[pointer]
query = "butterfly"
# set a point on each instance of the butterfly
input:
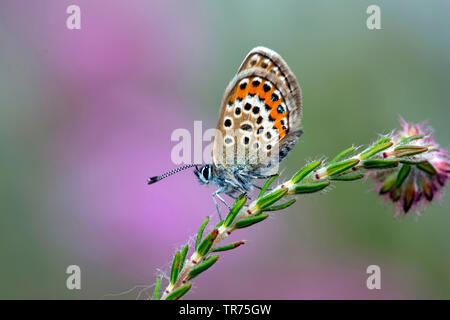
(259, 124)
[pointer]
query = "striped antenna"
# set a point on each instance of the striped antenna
(154, 179)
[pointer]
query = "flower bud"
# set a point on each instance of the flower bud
(424, 172)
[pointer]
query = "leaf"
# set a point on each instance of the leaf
(205, 245)
(339, 167)
(382, 140)
(427, 167)
(402, 174)
(311, 188)
(237, 206)
(156, 292)
(175, 268)
(347, 177)
(271, 198)
(267, 184)
(369, 152)
(281, 206)
(200, 232)
(179, 292)
(228, 246)
(300, 175)
(184, 252)
(202, 267)
(343, 154)
(250, 221)
(409, 150)
(380, 164)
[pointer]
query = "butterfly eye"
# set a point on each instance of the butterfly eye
(206, 172)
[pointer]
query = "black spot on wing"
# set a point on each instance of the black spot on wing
(246, 127)
(259, 120)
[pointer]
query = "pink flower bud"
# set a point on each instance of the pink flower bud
(429, 172)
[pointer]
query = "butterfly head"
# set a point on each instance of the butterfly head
(204, 174)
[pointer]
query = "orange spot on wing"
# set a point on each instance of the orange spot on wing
(277, 116)
(261, 93)
(242, 93)
(253, 90)
(269, 101)
(280, 129)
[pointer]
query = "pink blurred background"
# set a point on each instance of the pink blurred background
(87, 116)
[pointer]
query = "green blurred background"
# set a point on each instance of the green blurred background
(77, 112)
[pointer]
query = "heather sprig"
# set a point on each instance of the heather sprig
(408, 165)
(422, 172)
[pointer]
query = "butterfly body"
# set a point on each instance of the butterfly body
(229, 180)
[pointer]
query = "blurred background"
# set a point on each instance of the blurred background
(87, 115)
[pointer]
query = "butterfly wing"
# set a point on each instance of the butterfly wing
(259, 120)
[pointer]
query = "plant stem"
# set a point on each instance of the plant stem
(383, 155)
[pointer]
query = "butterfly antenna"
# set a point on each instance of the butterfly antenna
(154, 179)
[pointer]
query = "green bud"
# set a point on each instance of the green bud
(395, 194)
(271, 198)
(348, 177)
(339, 167)
(299, 176)
(409, 195)
(205, 245)
(250, 221)
(200, 232)
(427, 189)
(311, 188)
(175, 268)
(237, 206)
(179, 292)
(402, 175)
(410, 150)
(389, 184)
(374, 150)
(156, 292)
(205, 265)
(427, 167)
(267, 184)
(280, 206)
(228, 246)
(380, 164)
(343, 154)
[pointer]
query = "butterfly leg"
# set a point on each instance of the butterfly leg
(223, 201)
(265, 177)
(256, 186)
(217, 205)
(216, 194)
